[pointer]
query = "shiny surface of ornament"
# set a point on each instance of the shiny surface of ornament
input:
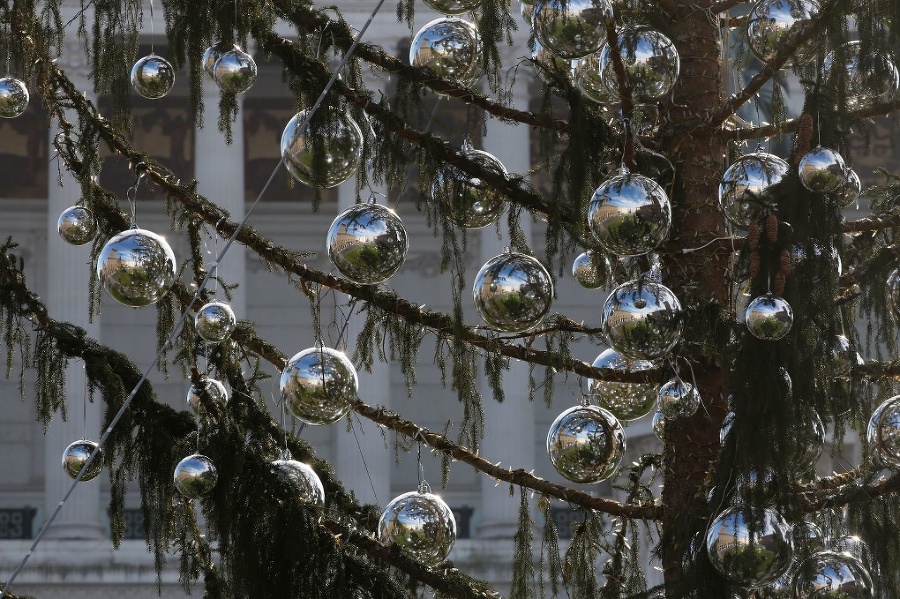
(302, 480)
(749, 548)
(468, 201)
(822, 170)
(586, 444)
(513, 292)
(77, 225)
(651, 64)
(136, 267)
(234, 71)
(727, 423)
(76, 455)
(13, 97)
(152, 77)
(867, 79)
(744, 192)
(659, 426)
(215, 392)
(629, 215)
(571, 28)
(626, 401)
(195, 476)
(211, 55)
(420, 523)
(591, 269)
(589, 79)
(805, 444)
(548, 61)
(451, 48)
(318, 385)
(215, 322)
(832, 575)
(769, 318)
(772, 22)
(678, 399)
(883, 432)
(826, 259)
(452, 7)
(840, 357)
(324, 153)
(642, 320)
(893, 293)
(848, 193)
(367, 243)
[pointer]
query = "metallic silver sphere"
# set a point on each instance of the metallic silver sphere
(772, 22)
(848, 193)
(769, 318)
(451, 48)
(744, 190)
(77, 225)
(324, 153)
(825, 258)
(750, 548)
(727, 423)
(822, 170)
(211, 55)
(302, 480)
(452, 7)
(571, 28)
(589, 79)
(642, 320)
(513, 292)
(215, 391)
(545, 61)
(883, 432)
(592, 270)
(13, 97)
(840, 357)
(421, 524)
(195, 476)
(678, 399)
(868, 78)
(833, 575)
(586, 444)
(626, 401)
(651, 64)
(318, 385)
(76, 455)
(367, 243)
(659, 426)
(136, 267)
(152, 77)
(468, 201)
(893, 293)
(234, 71)
(215, 322)
(804, 446)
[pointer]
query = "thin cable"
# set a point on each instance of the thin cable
(365, 464)
(84, 402)
(409, 169)
(152, 41)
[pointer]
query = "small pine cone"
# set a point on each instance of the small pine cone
(772, 227)
(785, 263)
(754, 265)
(753, 236)
(804, 137)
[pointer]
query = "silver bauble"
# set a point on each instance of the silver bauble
(136, 267)
(642, 320)
(571, 28)
(152, 77)
(804, 446)
(215, 392)
(13, 97)
(832, 575)
(893, 293)
(77, 225)
(586, 444)
(822, 170)
(452, 7)
(76, 455)
(808, 538)
(727, 423)
(678, 399)
(195, 476)
(367, 243)
(744, 191)
(326, 151)
(468, 201)
(592, 270)
(750, 547)
(826, 260)
(769, 318)
(215, 322)
(659, 426)
(319, 385)
(421, 524)
(211, 55)
(513, 292)
(840, 357)
(651, 64)
(772, 22)
(626, 401)
(780, 588)
(234, 71)
(629, 214)
(302, 480)
(867, 79)
(848, 193)
(589, 79)
(451, 48)
(883, 432)
(547, 62)
(855, 546)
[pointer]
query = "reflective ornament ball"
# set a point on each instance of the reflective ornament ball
(324, 153)
(318, 385)
(848, 193)
(629, 215)
(727, 423)
(305, 484)
(866, 78)
(822, 170)
(626, 401)
(234, 71)
(451, 48)
(817, 261)
(893, 293)
(215, 393)
(420, 523)
(547, 64)
(195, 476)
(769, 318)
(833, 575)
(77, 225)
(513, 292)
(651, 64)
(571, 28)
(215, 322)
(804, 446)
(367, 243)
(136, 267)
(659, 426)
(452, 7)
(883, 432)
(840, 357)
(592, 270)
(76, 455)
(152, 77)
(589, 79)
(642, 320)
(678, 399)
(586, 444)
(13, 97)
(749, 548)
(772, 22)
(468, 201)
(211, 55)
(744, 191)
